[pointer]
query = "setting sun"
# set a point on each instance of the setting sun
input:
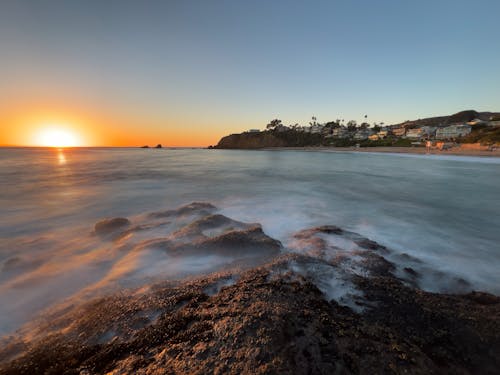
(57, 138)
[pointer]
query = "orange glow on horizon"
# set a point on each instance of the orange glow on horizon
(57, 137)
(83, 127)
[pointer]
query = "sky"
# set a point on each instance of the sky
(185, 73)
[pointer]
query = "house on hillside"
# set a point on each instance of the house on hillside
(383, 134)
(316, 129)
(429, 131)
(399, 132)
(340, 132)
(327, 131)
(422, 132)
(476, 122)
(414, 133)
(453, 131)
(362, 134)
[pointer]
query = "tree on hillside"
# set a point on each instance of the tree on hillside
(364, 125)
(351, 125)
(376, 128)
(273, 124)
(313, 122)
(333, 124)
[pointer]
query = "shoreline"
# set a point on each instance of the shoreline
(391, 150)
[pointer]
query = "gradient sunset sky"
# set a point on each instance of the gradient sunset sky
(185, 73)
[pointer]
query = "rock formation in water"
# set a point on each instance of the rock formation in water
(330, 301)
(108, 226)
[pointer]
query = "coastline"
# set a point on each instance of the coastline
(393, 150)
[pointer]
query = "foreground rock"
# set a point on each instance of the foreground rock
(332, 302)
(108, 226)
(263, 324)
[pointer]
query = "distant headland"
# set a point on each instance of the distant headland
(471, 130)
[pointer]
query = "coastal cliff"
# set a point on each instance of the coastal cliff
(250, 141)
(257, 140)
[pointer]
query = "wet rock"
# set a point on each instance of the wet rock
(483, 298)
(328, 229)
(368, 244)
(108, 226)
(11, 262)
(251, 242)
(252, 238)
(349, 251)
(262, 324)
(207, 234)
(331, 303)
(410, 271)
(209, 226)
(195, 208)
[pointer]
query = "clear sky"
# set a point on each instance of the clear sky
(188, 72)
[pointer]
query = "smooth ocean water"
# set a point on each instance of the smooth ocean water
(442, 210)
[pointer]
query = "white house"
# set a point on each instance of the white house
(399, 132)
(362, 134)
(418, 133)
(453, 131)
(340, 132)
(382, 134)
(415, 133)
(316, 129)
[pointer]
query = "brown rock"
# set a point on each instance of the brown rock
(107, 226)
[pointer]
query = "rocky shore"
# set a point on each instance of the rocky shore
(329, 302)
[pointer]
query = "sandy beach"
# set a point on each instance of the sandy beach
(398, 150)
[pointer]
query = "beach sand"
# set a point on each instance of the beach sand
(398, 150)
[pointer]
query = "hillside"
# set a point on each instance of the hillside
(289, 138)
(439, 121)
(483, 134)
(294, 138)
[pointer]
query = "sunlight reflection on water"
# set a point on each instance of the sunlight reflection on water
(61, 157)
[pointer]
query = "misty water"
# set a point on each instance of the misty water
(442, 210)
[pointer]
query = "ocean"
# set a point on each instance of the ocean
(442, 210)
